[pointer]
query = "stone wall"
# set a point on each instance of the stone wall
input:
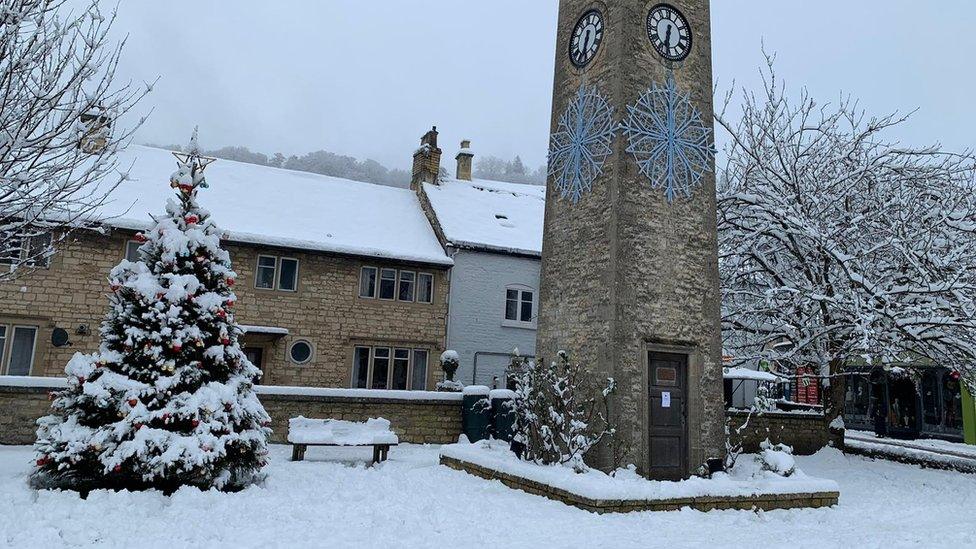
(326, 310)
(20, 407)
(807, 433)
(414, 421)
(433, 420)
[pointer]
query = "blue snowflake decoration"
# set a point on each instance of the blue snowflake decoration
(581, 143)
(667, 137)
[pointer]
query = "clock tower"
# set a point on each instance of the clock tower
(630, 283)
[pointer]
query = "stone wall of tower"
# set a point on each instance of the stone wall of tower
(623, 270)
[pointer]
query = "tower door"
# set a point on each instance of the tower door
(667, 421)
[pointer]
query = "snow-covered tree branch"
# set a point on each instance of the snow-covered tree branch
(59, 124)
(840, 246)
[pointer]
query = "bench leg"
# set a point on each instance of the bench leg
(298, 452)
(377, 455)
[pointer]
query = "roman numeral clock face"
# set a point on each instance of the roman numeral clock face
(586, 38)
(669, 32)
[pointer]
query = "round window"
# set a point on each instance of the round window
(300, 352)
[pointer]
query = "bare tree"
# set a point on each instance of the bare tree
(59, 118)
(839, 246)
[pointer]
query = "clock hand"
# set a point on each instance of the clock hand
(667, 38)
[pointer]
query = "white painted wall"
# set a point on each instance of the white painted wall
(476, 323)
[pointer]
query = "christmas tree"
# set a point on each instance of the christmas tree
(168, 399)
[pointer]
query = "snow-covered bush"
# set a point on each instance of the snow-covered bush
(168, 399)
(561, 412)
(777, 458)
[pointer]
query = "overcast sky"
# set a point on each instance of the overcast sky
(367, 79)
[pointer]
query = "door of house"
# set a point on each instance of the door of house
(256, 356)
(667, 421)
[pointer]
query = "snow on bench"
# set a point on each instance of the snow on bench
(375, 432)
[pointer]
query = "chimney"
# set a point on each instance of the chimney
(426, 161)
(464, 159)
(97, 125)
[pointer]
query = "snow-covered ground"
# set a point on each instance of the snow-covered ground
(410, 501)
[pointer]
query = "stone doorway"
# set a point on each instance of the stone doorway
(667, 422)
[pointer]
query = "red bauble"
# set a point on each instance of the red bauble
(230, 281)
(160, 296)
(133, 402)
(81, 380)
(117, 469)
(191, 219)
(186, 188)
(137, 426)
(140, 237)
(228, 406)
(166, 417)
(43, 461)
(221, 313)
(954, 375)
(230, 303)
(177, 347)
(195, 423)
(225, 341)
(115, 287)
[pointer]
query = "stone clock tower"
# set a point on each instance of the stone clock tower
(630, 282)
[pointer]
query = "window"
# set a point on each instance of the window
(401, 366)
(519, 304)
(265, 276)
(300, 352)
(407, 279)
(393, 284)
(132, 251)
(381, 368)
(288, 275)
(388, 278)
(396, 368)
(419, 379)
(367, 282)
(425, 288)
(20, 359)
(3, 343)
(32, 251)
(360, 368)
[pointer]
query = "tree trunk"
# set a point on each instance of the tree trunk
(834, 403)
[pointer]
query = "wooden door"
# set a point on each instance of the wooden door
(667, 421)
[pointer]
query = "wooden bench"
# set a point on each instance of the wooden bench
(380, 451)
(376, 433)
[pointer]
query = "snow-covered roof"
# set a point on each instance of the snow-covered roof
(490, 215)
(755, 375)
(270, 206)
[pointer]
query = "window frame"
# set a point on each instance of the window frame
(274, 273)
(391, 359)
(125, 250)
(280, 262)
(25, 246)
(311, 353)
(429, 276)
(519, 321)
(8, 349)
(413, 289)
(396, 284)
(376, 281)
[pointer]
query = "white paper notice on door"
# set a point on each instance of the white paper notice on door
(665, 399)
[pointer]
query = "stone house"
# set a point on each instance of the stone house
(340, 283)
(493, 232)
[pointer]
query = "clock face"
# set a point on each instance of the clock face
(669, 32)
(586, 38)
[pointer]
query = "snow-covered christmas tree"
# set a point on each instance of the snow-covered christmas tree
(168, 399)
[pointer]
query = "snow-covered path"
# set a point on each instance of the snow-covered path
(411, 501)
